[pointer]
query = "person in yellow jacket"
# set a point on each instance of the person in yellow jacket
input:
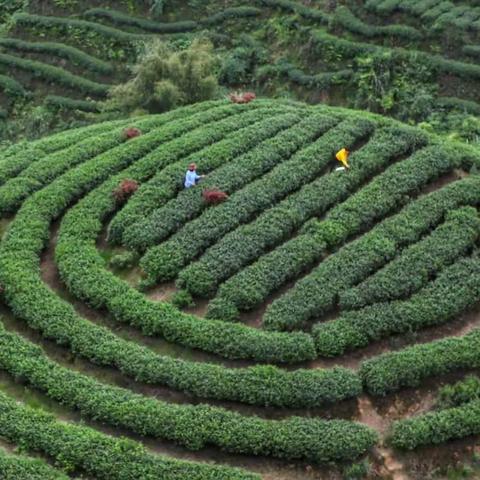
(342, 157)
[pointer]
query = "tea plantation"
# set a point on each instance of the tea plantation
(318, 323)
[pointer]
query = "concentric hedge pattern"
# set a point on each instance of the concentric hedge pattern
(392, 244)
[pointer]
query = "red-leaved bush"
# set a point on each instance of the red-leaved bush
(126, 188)
(131, 132)
(213, 197)
(245, 97)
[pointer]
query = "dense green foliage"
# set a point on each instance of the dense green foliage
(455, 290)
(284, 263)
(464, 391)
(437, 427)
(309, 297)
(409, 367)
(16, 467)
(193, 426)
(417, 264)
(165, 79)
(78, 447)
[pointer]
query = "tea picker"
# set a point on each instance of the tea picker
(342, 157)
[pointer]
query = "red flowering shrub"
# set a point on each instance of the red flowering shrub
(131, 132)
(245, 97)
(126, 188)
(213, 197)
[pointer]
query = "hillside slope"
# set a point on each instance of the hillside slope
(415, 61)
(322, 296)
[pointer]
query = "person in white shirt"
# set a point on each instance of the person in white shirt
(191, 177)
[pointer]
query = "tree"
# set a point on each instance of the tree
(165, 78)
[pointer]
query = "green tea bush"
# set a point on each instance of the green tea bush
(76, 56)
(54, 75)
(192, 426)
(123, 261)
(309, 298)
(272, 270)
(437, 427)
(16, 467)
(409, 367)
(99, 455)
(460, 393)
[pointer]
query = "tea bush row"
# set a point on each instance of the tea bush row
(410, 366)
(82, 448)
(194, 426)
(54, 74)
(242, 207)
(74, 55)
(309, 297)
(286, 262)
(230, 177)
(418, 263)
(14, 467)
(454, 291)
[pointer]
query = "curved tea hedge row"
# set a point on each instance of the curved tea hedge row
(84, 449)
(54, 75)
(13, 467)
(309, 297)
(454, 291)
(409, 367)
(272, 270)
(417, 264)
(193, 426)
(229, 177)
(76, 56)
(343, 17)
(121, 19)
(323, 80)
(437, 427)
(69, 104)
(45, 170)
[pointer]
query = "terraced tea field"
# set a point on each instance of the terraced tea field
(66, 55)
(330, 307)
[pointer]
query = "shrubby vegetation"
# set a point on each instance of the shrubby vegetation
(165, 79)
